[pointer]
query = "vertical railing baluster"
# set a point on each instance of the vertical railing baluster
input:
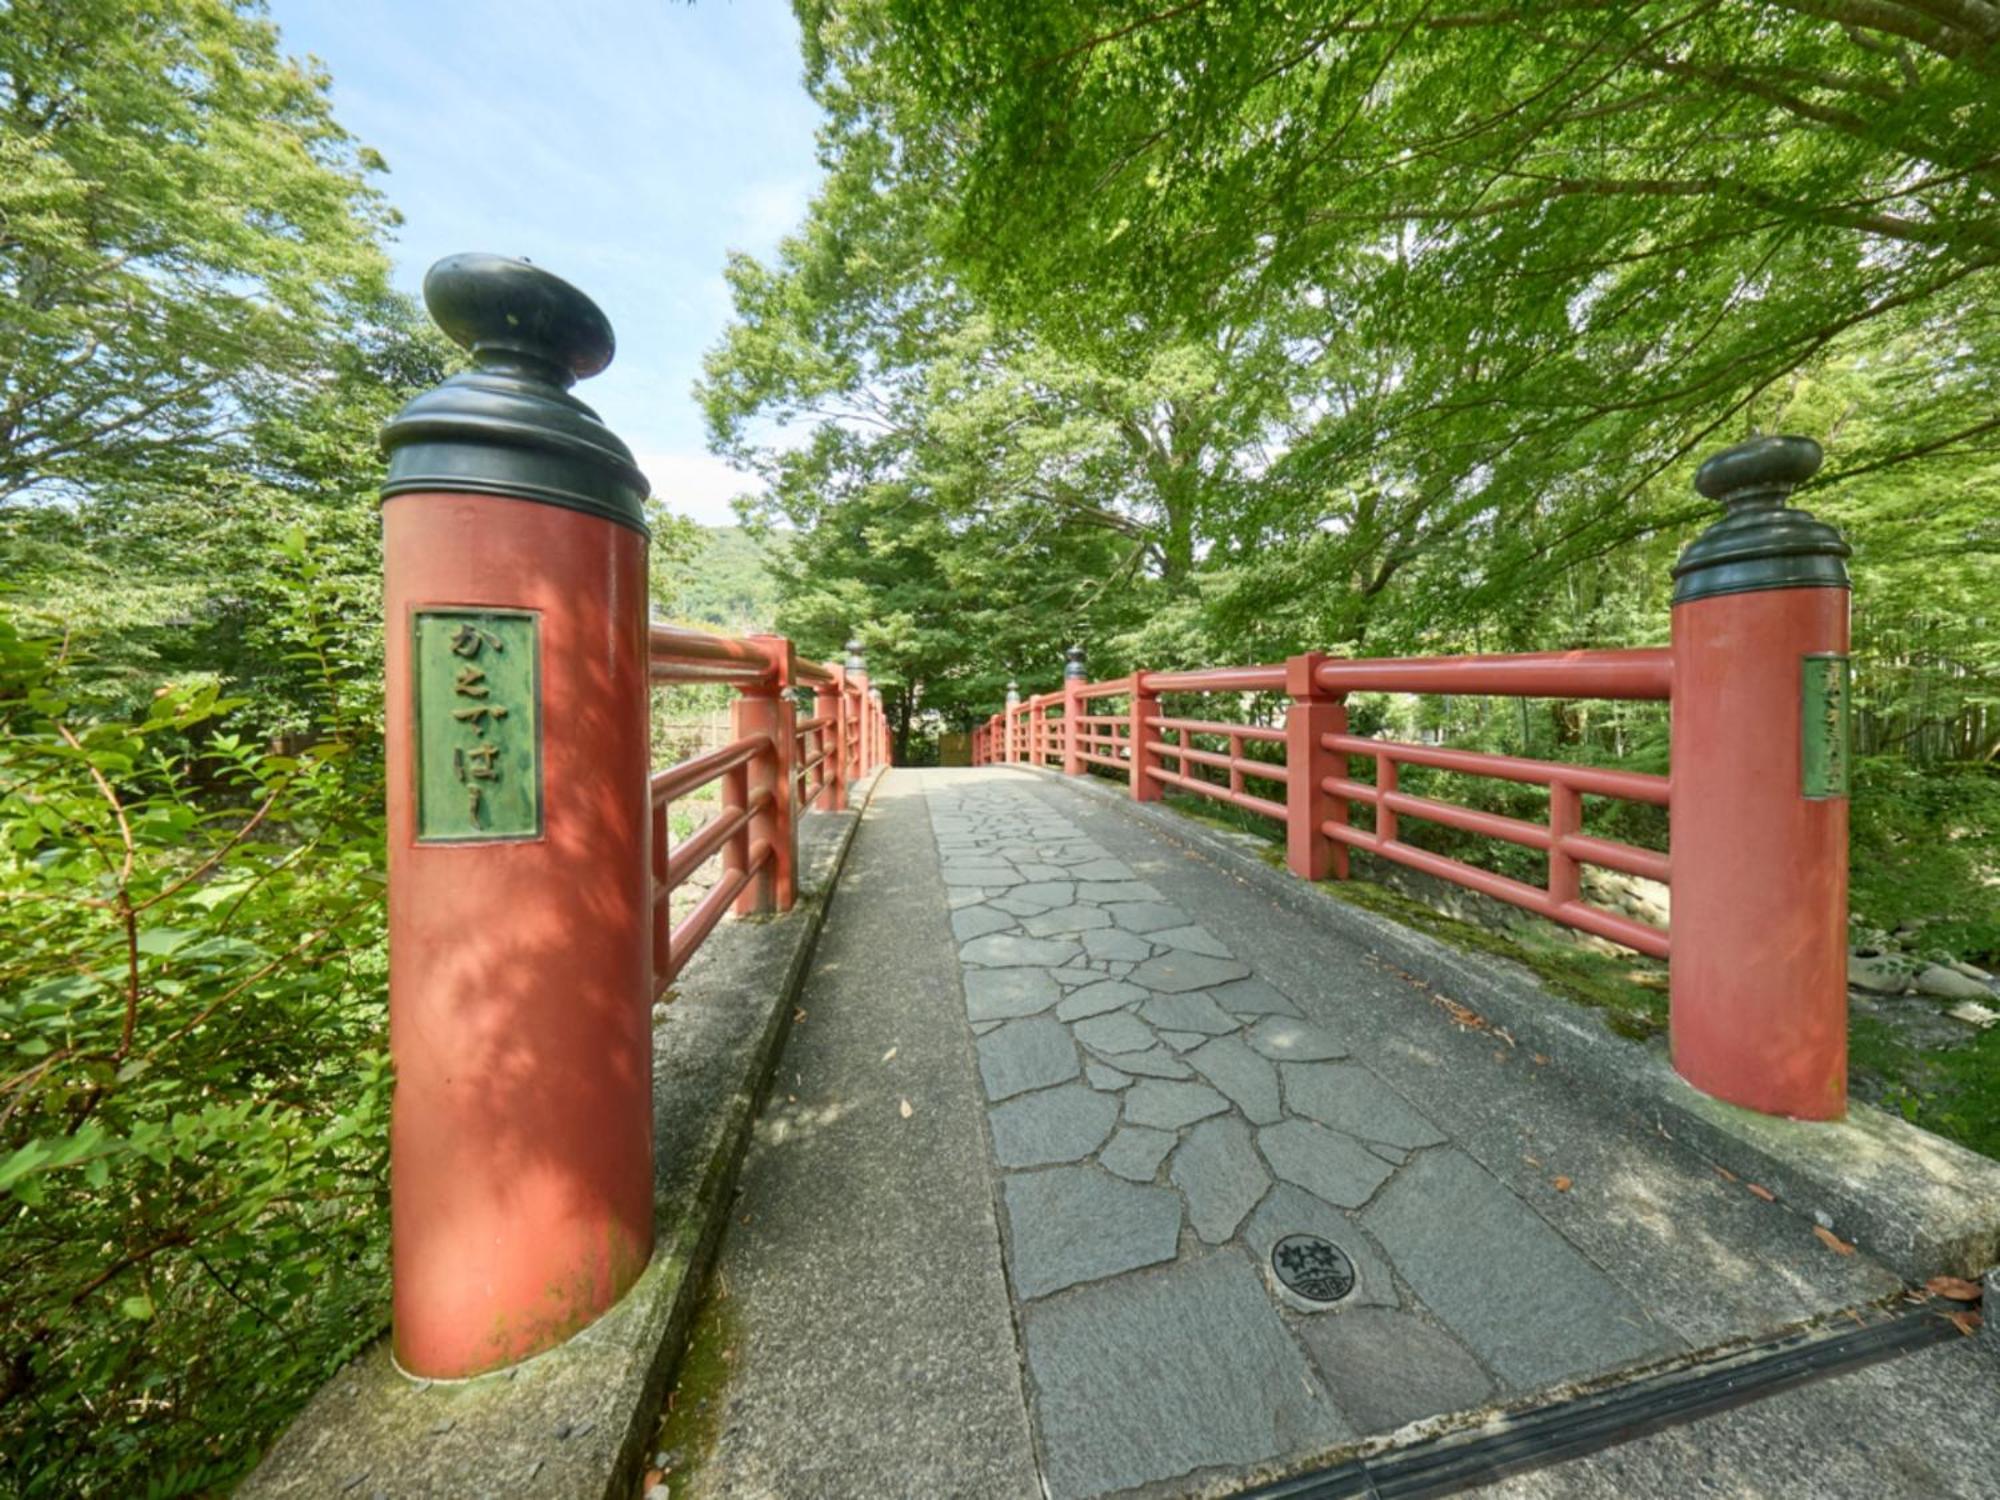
(1385, 787)
(1565, 818)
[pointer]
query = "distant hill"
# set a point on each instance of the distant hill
(727, 584)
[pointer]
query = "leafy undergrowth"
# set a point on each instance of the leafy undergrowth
(193, 1093)
(1951, 1090)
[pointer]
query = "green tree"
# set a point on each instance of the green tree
(1544, 259)
(185, 236)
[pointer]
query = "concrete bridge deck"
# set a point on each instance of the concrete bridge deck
(1056, 1089)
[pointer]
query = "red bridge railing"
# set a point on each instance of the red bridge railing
(777, 765)
(1756, 799)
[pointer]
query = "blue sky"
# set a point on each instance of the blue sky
(627, 145)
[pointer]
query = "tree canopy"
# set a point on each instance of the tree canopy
(1367, 323)
(184, 232)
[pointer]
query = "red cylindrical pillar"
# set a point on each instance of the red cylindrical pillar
(1759, 801)
(521, 1177)
(1144, 708)
(1075, 674)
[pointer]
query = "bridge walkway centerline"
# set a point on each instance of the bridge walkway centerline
(1087, 1170)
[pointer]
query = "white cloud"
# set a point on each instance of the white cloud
(697, 485)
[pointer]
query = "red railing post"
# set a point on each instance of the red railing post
(519, 904)
(1074, 677)
(1145, 707)
(1565, 822)
(1310, 852)
(857, 678)
(829, 698)
(766, 709)
(1758, 985)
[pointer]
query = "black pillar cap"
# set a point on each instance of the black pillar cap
(1073, 662)
(1760, 542)
(854, 661)
(509, 426)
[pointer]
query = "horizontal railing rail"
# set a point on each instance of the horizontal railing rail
(1155, 752)
(782, 760)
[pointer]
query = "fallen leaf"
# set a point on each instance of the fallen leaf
(653, 1477)
(1531, 1161)
(1762, 1192)
(1832, 1241)
(905, 1109)
(1465, 1015)
(1562, 1184)
(889, 1054)
(1541, 1059)
(798, 1016)
(1725, 1174)
(1957, 1288)
(1966, 1323)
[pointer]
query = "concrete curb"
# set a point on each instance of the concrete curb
(1923, 1205)
(576, 1422)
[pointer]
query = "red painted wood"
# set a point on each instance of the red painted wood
(1633, 786)
(766, 713)
(1643, 673)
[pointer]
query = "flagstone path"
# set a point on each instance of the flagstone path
(1068, 1113)
(1160, 1117)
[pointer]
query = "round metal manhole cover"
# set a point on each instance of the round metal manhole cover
(1313, 1268)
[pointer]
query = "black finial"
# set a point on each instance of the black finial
(514, 315)
(1073, 663)
(1760, 542)
(854, 660)
(509, 426)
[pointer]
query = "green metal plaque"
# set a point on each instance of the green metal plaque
(1823, 705)
(479, 724)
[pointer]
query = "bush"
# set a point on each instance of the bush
(1925, 846)
(193, 1086)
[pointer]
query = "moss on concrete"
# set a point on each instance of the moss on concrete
(1951, 1090)
(1629, 989)
(692, 1418)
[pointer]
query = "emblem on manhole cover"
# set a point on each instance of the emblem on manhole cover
(1317, 1269)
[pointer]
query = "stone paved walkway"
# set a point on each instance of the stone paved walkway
(1153, 1103)
(1062, 1089)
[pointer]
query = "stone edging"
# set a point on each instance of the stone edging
(577, 1422)
(1922, 1204)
